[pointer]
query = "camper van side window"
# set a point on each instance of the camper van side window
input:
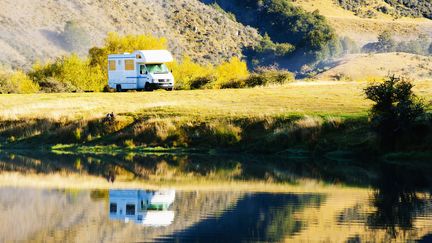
(112, 65)
(129, 65)
(113, 207)
(130, 209)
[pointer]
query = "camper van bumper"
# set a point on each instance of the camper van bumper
(161, 85)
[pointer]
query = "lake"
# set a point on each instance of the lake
(211, 198)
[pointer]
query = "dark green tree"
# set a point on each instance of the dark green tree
(395, 111)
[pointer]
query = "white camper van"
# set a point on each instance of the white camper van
(141, 70)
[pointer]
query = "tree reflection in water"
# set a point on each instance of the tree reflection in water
(397, 199)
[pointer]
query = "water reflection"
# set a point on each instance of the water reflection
(398, 200)
(386, 202)
(145, 207)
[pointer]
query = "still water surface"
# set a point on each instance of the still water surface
(384, 202)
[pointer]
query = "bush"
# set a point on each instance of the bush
(395, 111)
(269, 75)
(386, 43)
(189, 74)
(297, 31)
(51, 85)
(230, 73)
(200, 82)
(73, 72)
(16, 82)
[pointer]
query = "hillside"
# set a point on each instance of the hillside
(35, 30)
(368, 67)
(363, 21)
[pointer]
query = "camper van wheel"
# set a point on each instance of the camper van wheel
(147, 87)
(119, 88)
(169, 89)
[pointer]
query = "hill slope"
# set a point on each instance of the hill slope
(369, 67)
(363, 22)
(32, 30)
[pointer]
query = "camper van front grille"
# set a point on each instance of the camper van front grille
(163, 80)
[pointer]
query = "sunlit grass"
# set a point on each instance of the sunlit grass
(345, 99)
(321, 99)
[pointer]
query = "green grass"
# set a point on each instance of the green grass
(316, 116)
(301, 99)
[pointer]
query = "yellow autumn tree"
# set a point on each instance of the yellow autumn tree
(16, 82)
(79, 73)
(186, 71)
(231, 74)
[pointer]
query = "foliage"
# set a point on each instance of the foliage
(396, 8)
(412, 8)
(222, 11)
(386, 43)
(268, 52)
(188, 72)
(75, 37)
(51, 85)
(269, 75)
(71, 71)
(233, 71)
(16, 82)
(229, 74)
(396, 108)
(291, 26)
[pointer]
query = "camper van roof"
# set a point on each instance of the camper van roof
(154, 56)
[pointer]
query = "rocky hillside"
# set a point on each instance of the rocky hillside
(37, 30)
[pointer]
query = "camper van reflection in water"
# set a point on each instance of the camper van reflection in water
(148, 208)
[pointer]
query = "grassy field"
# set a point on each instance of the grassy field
(322, 98)
(314, 116)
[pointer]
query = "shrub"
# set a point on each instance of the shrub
(52, 85)
(230, 72)
(16, 82)
(73, 72)
(396, 109)
(269, 75)
(188, 73)
(79, 73)
(200, 82)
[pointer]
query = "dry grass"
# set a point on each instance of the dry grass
(329, 98)
(313, 99)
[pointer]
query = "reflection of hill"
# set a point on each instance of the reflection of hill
(54, 216)
(256, 217)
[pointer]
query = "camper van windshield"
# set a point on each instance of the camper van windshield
(157, 68)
